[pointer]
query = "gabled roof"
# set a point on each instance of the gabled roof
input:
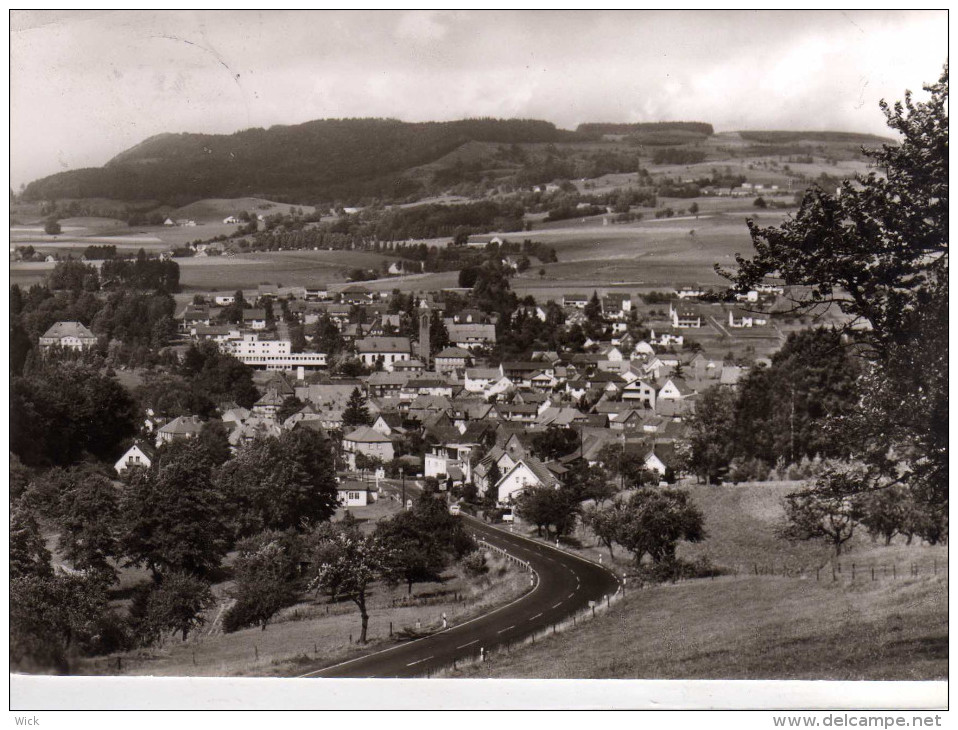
(68, 329)
(665, 451)
(384, 344)
(681, 386)
(476, 431)
(456, 352)
(522, 366)
(254, 314)
(183, 425)
(430, 403)
(440, 427)
(540, 470)
(148, 449)
(459, 332)
(366, 435)
(271, 398)
(560, 416)
(412, 364)
(384, 377)
(483, 373)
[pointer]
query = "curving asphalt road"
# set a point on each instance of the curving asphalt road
(565, 584)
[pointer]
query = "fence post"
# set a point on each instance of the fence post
(817, 571)
(873, 572)
(119, 662)
(853, 571)
(390, 628)
(894, 572)
(256, 649)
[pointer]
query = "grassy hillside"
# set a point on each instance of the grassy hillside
(751, 628)
(216, 209)
(768, 626)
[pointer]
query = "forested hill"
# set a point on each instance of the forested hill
(315, 161)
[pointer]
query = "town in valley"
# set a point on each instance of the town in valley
(361, 397)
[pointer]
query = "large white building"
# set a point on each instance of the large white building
(71, 335)
(271, 354)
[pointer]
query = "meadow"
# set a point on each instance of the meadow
(777, 612)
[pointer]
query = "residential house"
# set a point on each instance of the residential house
(268, 406)
(575, 300)
(354, 493)
(140, 454)
(640, 392)
(616, 305)
(528, 472)
(685, 317)
(357, 294)
(179, 429)
(389, 423)
(471, 336)
(268, 291)
(409, 367)
(674, 389)
(738, 318)
(452, 360)
(383, 384)
(478, 380)
(316, 292)
(517, 412)
(253, 428)
(661, 459)
(366, 440)
(254, 319)
(503, 460)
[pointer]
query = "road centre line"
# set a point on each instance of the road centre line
(535, 617)
(506, 629)
(419, 661)
(469, 644)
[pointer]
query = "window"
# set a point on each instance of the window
(352, 496)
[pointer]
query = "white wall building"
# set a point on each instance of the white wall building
(271, 354)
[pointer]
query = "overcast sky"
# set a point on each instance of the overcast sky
(86, 85)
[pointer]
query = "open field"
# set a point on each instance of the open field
(799, 624)
(214, 210)
(243, 271)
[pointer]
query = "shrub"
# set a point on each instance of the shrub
(676, 569)
(475, 564)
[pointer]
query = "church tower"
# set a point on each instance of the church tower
(425, 320)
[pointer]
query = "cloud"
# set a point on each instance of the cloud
(420, 26)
